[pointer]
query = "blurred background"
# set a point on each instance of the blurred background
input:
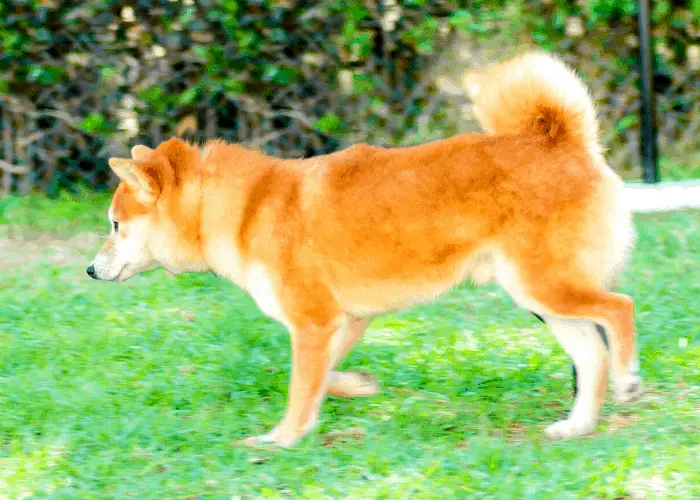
(82, 81)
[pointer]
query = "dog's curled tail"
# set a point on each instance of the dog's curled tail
(534, 94)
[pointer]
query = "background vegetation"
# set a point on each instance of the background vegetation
(84, 80)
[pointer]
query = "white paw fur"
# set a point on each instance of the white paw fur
(570, 428)
(627, 388)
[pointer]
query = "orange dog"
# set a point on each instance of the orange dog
(325, 244)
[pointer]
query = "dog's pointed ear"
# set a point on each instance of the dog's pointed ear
(129, 171)
(139, 152)
(123, 168)
(181, 155)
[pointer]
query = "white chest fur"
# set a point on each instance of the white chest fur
(223, 259)
(262, 289)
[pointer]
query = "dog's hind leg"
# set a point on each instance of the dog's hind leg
(556, 293)
(574, 375)
(352, 384)
(581, 341)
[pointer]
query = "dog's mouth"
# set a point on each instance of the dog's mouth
(126, 272)
(129, 271)
(120, 275)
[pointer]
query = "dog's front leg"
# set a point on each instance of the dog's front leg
(314, 351)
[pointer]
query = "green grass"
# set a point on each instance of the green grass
(66, 215)
(142, 389)
(670, 170)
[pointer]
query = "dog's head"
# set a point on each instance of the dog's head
(149, 219)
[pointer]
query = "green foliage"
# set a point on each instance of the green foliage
(253, 58)
(281, 75)
(189, 95)
(93, 123)
(600, 12)
(328, 123)
(362, 83)
(248, 40)
(626, 122)
(423, 34)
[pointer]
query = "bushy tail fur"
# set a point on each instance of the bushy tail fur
(535, 94)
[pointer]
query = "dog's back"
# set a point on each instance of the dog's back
(427, 217)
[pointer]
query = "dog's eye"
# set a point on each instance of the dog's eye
(116, 226)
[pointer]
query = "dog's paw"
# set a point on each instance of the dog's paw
(627, 388)
(570, 428)
(282, 436)
(267, 441)
(262, 441)
(352, 385)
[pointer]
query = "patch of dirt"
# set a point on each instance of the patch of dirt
(338, 437)
(48, 249)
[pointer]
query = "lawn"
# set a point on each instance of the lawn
(143, 389)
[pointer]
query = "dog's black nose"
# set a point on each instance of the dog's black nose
(91, 271)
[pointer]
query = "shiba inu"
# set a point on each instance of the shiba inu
(327, 243)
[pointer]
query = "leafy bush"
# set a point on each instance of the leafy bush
(84, 80)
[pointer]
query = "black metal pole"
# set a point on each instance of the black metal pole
(649, 148)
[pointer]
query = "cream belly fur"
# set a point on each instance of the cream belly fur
(379, 297)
